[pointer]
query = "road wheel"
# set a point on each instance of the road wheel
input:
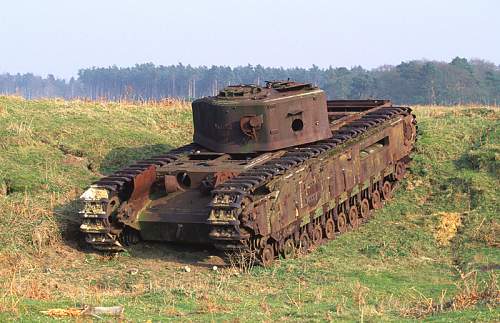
(353, 217)
(289, 249)
(376, 201)
(267, 255)
(330, 229)
(342, 222)
(317, 235)
(130, 236)
(400, 171)
(304, 242)
(387, 191)
(364, 208)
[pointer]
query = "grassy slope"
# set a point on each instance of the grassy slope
(387, 270)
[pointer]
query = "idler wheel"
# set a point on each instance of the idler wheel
(113, 205)
(113, 212)
(304, 242)
(364, 208)
(267, 255)
(387, 191)
(342, 222)
(330, 229)
(317, 235)
(376, 201)
(289, 249)
(353, 216)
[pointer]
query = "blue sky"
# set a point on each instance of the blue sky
(61, 36)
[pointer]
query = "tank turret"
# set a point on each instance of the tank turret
(250, 118)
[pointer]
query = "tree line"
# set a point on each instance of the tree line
(416, 82)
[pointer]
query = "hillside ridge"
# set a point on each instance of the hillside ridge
(431, 253)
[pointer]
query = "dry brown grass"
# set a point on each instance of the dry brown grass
(209, 304)
(359, 294)
(242, 261)
(470, 293)
(164, 102)
(431, 111)
(169, 103)
(19, 280)
(488, 232)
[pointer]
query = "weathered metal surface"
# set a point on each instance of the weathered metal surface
(232, 195)
(249, 118)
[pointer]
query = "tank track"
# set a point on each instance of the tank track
(234, 197)
(98, 227)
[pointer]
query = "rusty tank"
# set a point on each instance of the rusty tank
(276, 169)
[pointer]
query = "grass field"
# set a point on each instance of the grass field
(431, 254)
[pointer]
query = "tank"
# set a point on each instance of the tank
(274, 169)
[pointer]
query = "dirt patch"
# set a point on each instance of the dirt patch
(74, 160)
(411, 185)
(447, 227)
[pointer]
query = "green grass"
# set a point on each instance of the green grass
(50, 150)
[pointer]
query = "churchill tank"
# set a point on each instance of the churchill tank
(276, 169)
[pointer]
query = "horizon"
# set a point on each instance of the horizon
(59, 38)
(253, 65)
